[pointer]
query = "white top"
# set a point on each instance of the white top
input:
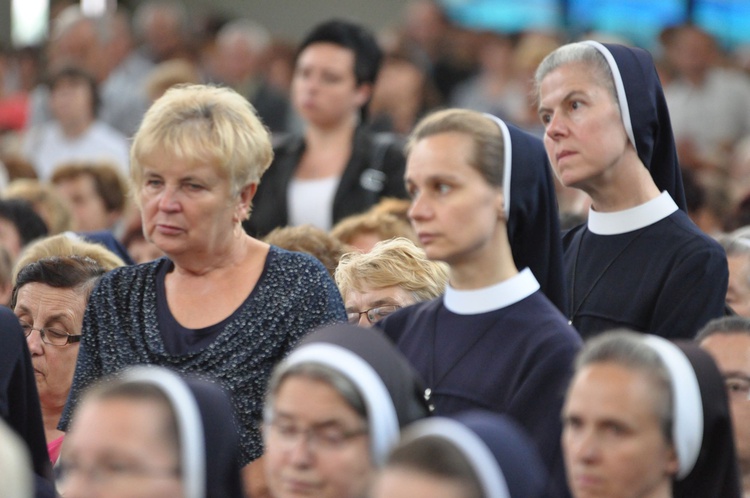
(629, 220)
(47, 147)
(494, 297)
(310, 202)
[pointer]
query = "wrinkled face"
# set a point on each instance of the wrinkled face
(732, 355)
(117, 448)
(382, 301)
(307, 465)
(188, 208)
(43, 306)
(456, 214)
(584, 135)
(324, 87)
(612, 438)
(87, 207)
(395, 482)
(738, 290)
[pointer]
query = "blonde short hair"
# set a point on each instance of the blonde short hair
(393, 262)
(64, 245)
(203, 123)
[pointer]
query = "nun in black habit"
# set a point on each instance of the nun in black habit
(480, 453)
(207, 438)
(340, 384)
(639, 262)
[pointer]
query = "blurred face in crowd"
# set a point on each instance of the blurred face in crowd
(613, 441)
(368, 305)
(402, 482)
(317, 445)
(732, 355)
(324, 87)
(89, 211)
(738, 290)
(120, 448)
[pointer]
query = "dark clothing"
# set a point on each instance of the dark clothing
(294, 295)
(667, 279)
(19, 400)
(515, 360)
(373, 172)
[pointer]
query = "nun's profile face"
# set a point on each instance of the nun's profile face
(119, 448)
(317, 445)
(612, 438)
(457, 215)
(397, 482)
(584, 135)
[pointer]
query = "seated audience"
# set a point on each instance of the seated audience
(728, 341)
(395, 274)
(477, 454)
(52, 282)
(47, 203)
(75, 133)
(333, 411)
(311, 240)
(95, 192)
(152, 434)
(647, 418)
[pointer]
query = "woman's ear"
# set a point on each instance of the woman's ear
(244, 201)
(364, 93)
(500, 205)
(673, 462)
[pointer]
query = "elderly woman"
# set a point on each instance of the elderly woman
(474, 455)
(608, 133)
(393, 275)
(151, 433)
(647, 418)
(221, 303)
(333, 412)
(52, 283)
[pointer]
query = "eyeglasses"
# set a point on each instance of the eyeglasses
(373, 314)
(738, 386)
(109, 473)
(318, 438)
(51, 336)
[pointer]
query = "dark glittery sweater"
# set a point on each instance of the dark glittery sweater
(294, 295)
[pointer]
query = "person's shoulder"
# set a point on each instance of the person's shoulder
(293, 263)
(132, 273)
(693, 236)
(410, 317)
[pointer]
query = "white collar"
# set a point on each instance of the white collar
(632, 219)
(494, 297)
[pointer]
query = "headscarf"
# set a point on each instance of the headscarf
(645, 115)
(531, 207)
(503, 457)
(392, 391)
(209, 441)
(701, 424)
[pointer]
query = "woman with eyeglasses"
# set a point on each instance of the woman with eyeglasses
(334, 409)
(394, 274)
(53, 280)
(150, 433)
